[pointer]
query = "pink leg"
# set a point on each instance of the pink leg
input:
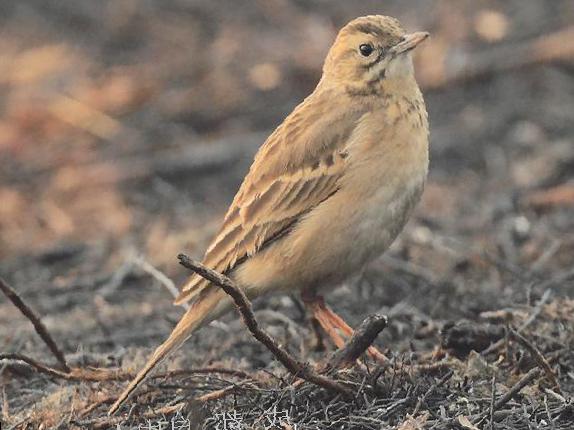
(331, 323)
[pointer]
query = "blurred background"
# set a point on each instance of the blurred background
(126, 127)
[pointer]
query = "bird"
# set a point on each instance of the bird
(328, 191)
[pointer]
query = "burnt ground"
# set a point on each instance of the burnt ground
(125, 129)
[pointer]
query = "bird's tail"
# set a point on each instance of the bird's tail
(199, 313)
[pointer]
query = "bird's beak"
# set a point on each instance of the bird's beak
(410, 41)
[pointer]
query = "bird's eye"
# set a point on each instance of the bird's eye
(366, 49)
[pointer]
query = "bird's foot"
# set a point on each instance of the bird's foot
(335, 327)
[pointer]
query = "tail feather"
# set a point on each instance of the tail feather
(194, 285)
(200, 312)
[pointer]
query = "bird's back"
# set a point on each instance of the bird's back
(297, 168)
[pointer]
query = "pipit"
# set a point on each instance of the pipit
(328, 191)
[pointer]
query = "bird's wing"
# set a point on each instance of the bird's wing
(297, 168)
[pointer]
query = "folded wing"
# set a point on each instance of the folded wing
(297, 168)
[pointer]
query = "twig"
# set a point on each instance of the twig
(492, 399)
(73, 374)
(217, 394)
(426, 368)
(5, 405)
(203, 371)
(85, 117)
(40, 367)
(161, 277)
(39, 326)
(431, 389)
(531, 318)
(537, 309)
(515, 389)
(537, 355)
(361, 339)
(550, 419)
(545, 256)
(243, 305)
(117, 279)
(110, 399)
(97, 374)
(95, 405)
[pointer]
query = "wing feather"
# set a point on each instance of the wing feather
(297, 168)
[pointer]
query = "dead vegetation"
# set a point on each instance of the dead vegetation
(124, 131)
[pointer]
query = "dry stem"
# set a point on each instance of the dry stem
(243, 305)
(36, 322)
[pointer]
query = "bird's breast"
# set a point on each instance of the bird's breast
(353, 227)
(381, 185)
(383, 214)
(378, 192)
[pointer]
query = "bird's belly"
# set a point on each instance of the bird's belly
(378, 221)
(336, 242)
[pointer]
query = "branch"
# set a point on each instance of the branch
(361, 339)
(516, 388)
(72, 374)
(35, 320)
(537, 355)
(40, 367)
(100, 374)
(243, 305)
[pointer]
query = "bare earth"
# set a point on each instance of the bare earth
(125, 129)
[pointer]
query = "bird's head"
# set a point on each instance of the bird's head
(370, 50)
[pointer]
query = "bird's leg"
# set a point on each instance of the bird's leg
(316, 306)
(348, 331)
(319, 342)
(331, 323)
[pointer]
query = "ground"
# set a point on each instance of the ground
(125, 129)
